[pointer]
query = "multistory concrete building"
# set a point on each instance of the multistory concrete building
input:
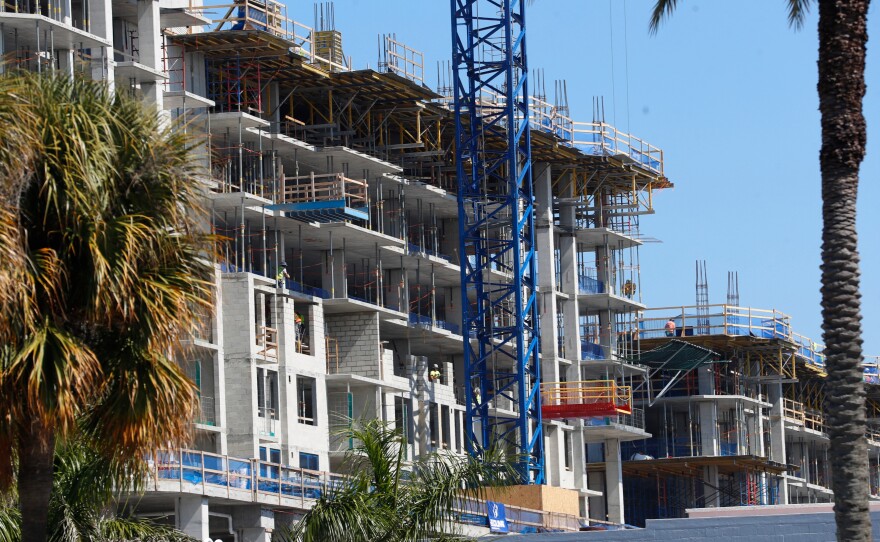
(332, 191)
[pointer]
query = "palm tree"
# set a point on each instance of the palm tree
(386, 498)
(83, 503)
(102, 263)
(843, 41)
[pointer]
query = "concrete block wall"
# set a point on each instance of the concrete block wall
(358, 338)
(241, 406)
(239, 331)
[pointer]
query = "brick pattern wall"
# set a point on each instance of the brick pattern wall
(358, 339)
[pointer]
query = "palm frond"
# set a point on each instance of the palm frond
(54, 371)
(386, 498)
(122, 529)
(663, 9)
(10, 523)
(349, 515)
(797, 12)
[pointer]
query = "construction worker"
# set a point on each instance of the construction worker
(434, 375)
(300, 330)
(282, 274)
(670, 328)
(629, 288)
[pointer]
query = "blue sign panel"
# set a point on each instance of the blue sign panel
(497, 517)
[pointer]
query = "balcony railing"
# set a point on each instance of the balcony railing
(260, 481)
(326, 187)
(585, 399)
(727, 320)
(793, 411)
(635, 419)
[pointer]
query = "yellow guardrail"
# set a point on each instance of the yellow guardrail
(585, 392)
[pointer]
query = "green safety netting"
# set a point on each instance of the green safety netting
(677, 355)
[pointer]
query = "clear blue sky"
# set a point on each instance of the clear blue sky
(728, 91)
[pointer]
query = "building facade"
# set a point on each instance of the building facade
(332, 191)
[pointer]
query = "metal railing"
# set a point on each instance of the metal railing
(587, 392)
(326, 187)
(635, 419)
(600, 138)
(261, 481)
(815, 420)
(717, 320)
(271, 16)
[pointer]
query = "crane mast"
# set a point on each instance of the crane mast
(497, 232)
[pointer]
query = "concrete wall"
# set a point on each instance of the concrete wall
(358, 339)
(808, 524)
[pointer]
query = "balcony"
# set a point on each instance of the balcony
(585, 399)
(331, 197)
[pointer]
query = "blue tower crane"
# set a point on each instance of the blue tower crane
(497, 232)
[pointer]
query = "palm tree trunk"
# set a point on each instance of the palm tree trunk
(36, 457)
(842, 43)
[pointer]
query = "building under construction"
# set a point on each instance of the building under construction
(350, 180)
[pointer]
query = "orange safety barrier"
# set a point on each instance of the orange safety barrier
(584, 399)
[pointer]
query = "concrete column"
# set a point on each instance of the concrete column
(706, 380)
(544, 234)
(219, 362)
(150, 45)
(568, 268)
(777, 434)
(65, 60)
(613, 481)
(553, 453)
(579, 458)
(101, 25)
(395, 291)
(253, 523)
(710, 476)
(709, 428)
(333, 276)
(192, 516)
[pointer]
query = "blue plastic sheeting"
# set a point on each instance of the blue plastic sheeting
(254, 15)
(273, 478)
(656, 448)
(419, 320)
(422, 320)
(413, 248)
(591, 351)
(306, 289)
(321, 211)
(227, 267)
(589, 285)
(448, 326)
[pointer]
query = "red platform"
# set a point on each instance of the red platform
(583, 410)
